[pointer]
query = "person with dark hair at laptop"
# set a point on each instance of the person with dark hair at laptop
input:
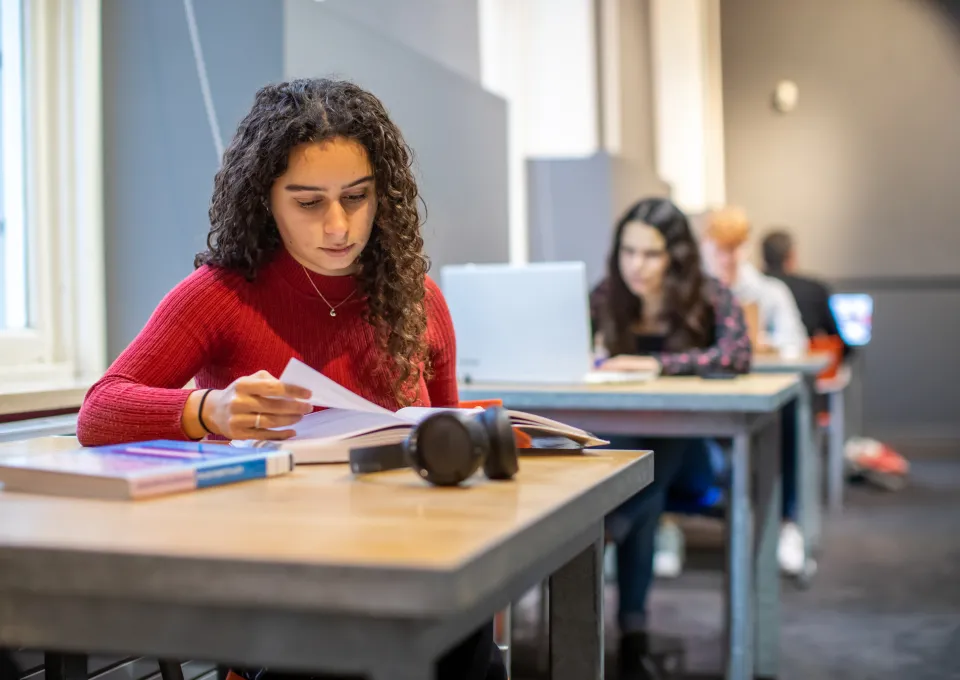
(657, 309)
(812, 295)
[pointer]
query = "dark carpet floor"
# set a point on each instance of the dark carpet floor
(884, 605)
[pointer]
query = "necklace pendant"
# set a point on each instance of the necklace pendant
(333, 312)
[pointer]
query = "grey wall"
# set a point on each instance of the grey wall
(457, 129)
(445, 31)
(864, 172)
(867, 164)
(159, 156)
(910, 371)
(570, 205)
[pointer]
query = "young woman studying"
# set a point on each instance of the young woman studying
(314, 252)
(656, 309)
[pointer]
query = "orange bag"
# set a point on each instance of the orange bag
(522, 439)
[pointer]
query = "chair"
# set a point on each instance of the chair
(831, 383)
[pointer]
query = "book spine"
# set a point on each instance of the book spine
(158, 484)
(253, 467)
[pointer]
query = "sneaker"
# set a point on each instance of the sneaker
(668, 550)
(790, 552)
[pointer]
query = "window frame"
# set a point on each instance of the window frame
(64, 339)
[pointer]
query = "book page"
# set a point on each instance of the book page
(528, 422)
(335, 423)
(326, 392)
(414, 414)
(532, 423)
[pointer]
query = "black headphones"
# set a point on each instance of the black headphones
(447, 448)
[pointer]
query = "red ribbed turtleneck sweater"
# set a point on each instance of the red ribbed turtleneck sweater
(217, 327)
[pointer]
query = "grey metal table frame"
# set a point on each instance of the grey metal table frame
(753, 518)
(809, 465)
(835, 389)
(385, 623)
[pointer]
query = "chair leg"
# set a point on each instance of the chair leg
(57, 666)
(543, 629)
(170, 670)
(8, 666)
(504, 635)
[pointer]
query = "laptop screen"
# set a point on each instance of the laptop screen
(854, 315)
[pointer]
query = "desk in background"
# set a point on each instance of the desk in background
(314, 570)
(809, 470)
(835, 389)
(745, 409)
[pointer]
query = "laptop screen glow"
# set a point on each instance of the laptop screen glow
(854, 315)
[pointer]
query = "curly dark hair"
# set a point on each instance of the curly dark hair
(392, 267)
(686, 311)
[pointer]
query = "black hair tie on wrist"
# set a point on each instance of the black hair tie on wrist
(200, 412)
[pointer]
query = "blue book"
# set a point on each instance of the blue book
(139, 469)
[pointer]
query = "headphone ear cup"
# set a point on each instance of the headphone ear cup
(443, 450)
(501, 460)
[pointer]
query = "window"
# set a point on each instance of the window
(51, 251)
(13, 293)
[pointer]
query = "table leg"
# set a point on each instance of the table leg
(576, 616)
(807, 470)
(57, 666)
(8, 667)
(767, 508)
(170, 669)
(835, 457)
(739, 664)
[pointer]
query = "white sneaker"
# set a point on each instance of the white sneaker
(791, 551)
(668, 550)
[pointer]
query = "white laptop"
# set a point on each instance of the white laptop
(524, 324)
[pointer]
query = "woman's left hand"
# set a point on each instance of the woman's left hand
(625, 363)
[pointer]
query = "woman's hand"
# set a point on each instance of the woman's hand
(250, 405)
(625, 363)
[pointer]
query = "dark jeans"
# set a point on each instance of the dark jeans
(682, 469)
(788, 461)
(476, 658)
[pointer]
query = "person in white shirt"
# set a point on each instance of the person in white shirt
(779, 329)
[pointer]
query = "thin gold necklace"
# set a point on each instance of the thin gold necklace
(333, 308)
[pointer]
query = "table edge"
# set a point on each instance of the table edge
(366, 590)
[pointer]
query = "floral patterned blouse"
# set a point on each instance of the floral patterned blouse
(729, 347)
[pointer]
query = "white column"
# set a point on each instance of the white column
(540, 55)
(687, 76)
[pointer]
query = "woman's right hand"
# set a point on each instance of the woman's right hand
(253, 404)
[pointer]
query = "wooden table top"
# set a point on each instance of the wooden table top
(312, 535)
(751, 393)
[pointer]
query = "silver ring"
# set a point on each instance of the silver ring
(256, 425)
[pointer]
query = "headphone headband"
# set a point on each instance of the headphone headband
(381, 458)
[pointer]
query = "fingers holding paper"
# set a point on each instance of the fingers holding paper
(252, 407)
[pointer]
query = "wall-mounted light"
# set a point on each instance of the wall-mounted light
(785, 96)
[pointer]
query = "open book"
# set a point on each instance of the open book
(350, 421)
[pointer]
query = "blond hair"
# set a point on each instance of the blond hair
(727, 226)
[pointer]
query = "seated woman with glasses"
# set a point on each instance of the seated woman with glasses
(657, 310)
